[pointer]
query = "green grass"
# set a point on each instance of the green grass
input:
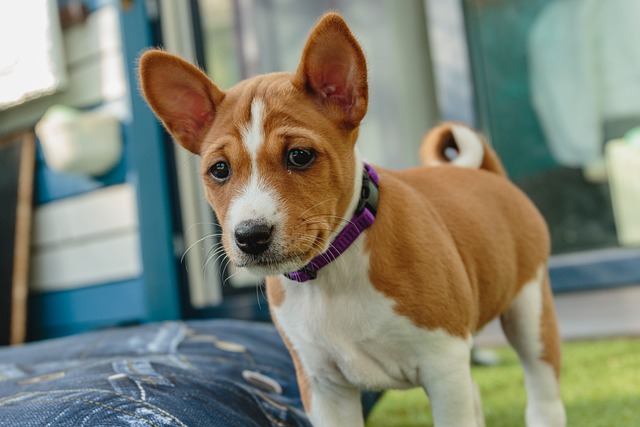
(600, 388)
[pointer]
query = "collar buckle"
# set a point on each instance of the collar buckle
(369, 193)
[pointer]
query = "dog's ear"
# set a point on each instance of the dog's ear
(333, 70)
(181, 95)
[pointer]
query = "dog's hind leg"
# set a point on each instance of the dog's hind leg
(531, 328)
(477, 404)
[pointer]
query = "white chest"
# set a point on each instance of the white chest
(345, 330)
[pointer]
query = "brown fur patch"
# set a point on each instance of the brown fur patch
(453, 246)
(275, 292)
(549, 333)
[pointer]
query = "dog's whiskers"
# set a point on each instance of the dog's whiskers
(202, 239)
(314, 206)
(213, 256)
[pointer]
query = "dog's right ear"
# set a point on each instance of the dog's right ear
(181, 95)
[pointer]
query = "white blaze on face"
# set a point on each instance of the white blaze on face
(256, 201)
(253, 132)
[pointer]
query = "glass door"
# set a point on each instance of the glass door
(558, 93)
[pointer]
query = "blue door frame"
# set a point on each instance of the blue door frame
(155, 294)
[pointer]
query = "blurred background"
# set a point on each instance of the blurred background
(103, 220)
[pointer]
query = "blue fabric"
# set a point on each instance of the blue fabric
(197, 373)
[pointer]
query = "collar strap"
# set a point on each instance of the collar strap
(363, 217)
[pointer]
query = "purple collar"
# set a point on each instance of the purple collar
(363, 217)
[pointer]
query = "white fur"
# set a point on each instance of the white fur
(471, 151)
(256, 201)
(253, 132)
(343, 347)
(521, 323)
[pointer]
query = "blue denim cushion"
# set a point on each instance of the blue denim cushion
(196, 373)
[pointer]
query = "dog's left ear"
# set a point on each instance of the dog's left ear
(333, 70)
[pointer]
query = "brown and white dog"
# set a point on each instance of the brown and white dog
(450, 248)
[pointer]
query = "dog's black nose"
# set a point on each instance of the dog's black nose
(253, 237)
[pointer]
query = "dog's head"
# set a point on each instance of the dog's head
(277, 151)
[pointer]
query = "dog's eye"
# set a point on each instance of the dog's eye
(300, 158)
(220, 171)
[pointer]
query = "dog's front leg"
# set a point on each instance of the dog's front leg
(445, 374)
(332, 405)
(452, 399)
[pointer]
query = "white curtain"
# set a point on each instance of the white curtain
(584, 58)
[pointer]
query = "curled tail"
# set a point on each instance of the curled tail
(459, 145)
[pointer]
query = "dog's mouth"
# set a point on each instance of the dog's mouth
(276, 261)
(267, 266)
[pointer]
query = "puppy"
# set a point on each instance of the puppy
(376, 278)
